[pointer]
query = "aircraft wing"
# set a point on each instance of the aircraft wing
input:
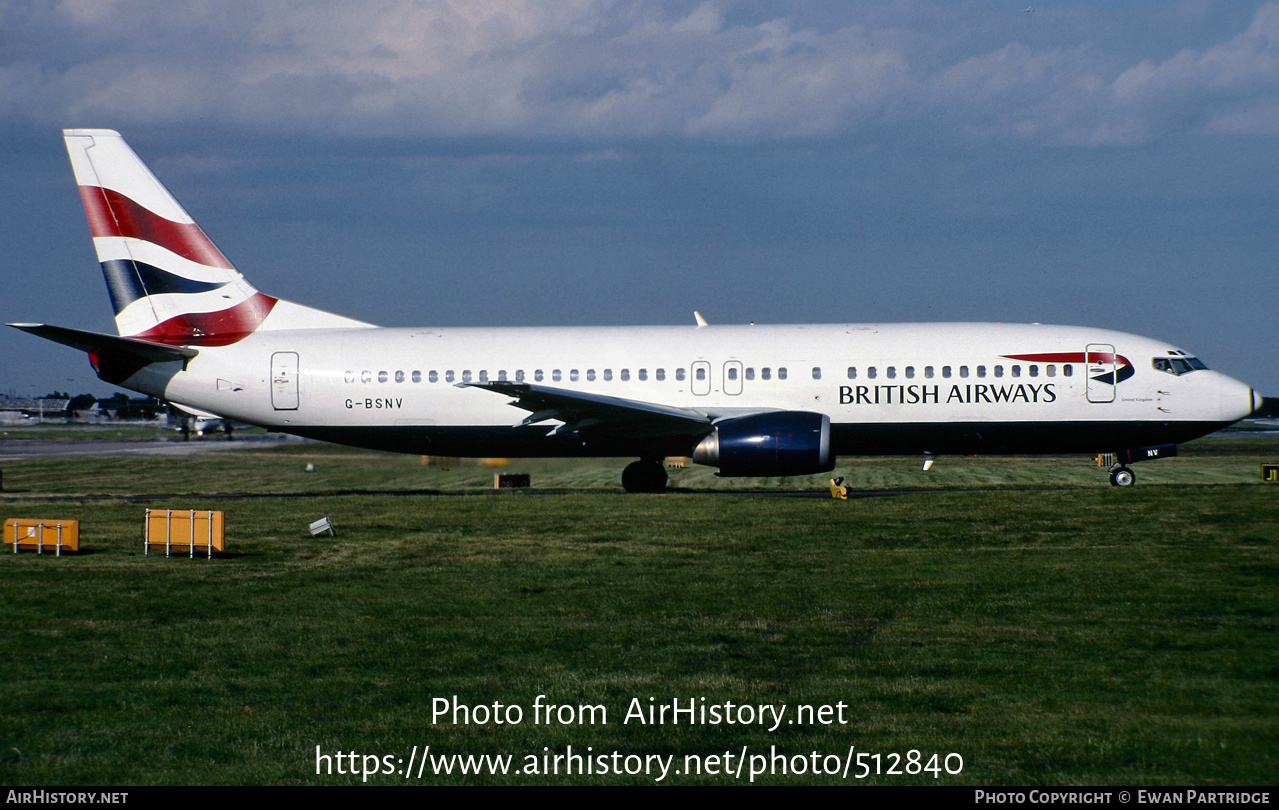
(599, 415)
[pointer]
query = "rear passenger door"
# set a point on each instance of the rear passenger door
(284, 381)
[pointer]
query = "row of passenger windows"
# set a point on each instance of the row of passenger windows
(749, 373)
(699, 373)
(555, 375)
(948, 372)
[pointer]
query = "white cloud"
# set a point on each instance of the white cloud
(603, 69)
(1233, 86)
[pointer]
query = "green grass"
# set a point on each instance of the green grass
(280, 468)
(1047, 630)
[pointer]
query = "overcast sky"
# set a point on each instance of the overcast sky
(1113, 164)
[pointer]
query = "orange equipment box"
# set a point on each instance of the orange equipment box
(41, 534)
(185, 529)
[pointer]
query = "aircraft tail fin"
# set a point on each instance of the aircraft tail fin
(168, 282)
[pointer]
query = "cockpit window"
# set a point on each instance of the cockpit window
(1178, 365)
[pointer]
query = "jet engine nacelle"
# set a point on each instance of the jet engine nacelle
(781, 443)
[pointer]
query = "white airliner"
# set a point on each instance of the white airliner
(750, 400)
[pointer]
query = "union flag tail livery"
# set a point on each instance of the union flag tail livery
(168, 282)
(749, 400)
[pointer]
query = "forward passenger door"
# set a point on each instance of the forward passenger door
(1099, 365)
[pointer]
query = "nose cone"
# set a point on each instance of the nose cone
(1238, 400)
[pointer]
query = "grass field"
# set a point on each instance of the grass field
(1023, 614)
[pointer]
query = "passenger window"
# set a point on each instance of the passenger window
(1067, 370)
(679, 374)
(1051, 370)
(349, 376)
(963, 372)
(381, 376)
(484, 376)
(732, 372)
(434, 376)
(910, 372)
(466, 376)
(872, 373)
(608, 375)
(1016, 371)
(399, 376)
(519, 375)
(981, 371)
(852, 373)
(573, 375)
(817, 373)
(448, 376)
(945, 372)
(892, 372)
(766, 373)
(701, 374)
(643, 374)
(557, 375)
(661, 375)
(626, 375)
(928, 372)
(590, 375)
(999, 371)
(1034, 371)
(750, 373)
(417, 376)
(781, 373)
(537, 375)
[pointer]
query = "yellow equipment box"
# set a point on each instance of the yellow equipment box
(185, 529)
(42, 534)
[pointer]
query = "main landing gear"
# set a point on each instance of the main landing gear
(1121, 476)
(645, 475)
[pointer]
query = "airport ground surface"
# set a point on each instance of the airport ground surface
(1020, 613)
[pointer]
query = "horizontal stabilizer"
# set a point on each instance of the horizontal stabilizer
(96, 343)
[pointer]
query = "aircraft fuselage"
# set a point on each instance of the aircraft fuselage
(887, 388)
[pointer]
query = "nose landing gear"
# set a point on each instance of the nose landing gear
(1121, 476)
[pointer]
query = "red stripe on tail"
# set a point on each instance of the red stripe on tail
(220, 328)
(111, 213)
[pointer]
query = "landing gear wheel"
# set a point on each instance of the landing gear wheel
(1122, 477)
(644, 476)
